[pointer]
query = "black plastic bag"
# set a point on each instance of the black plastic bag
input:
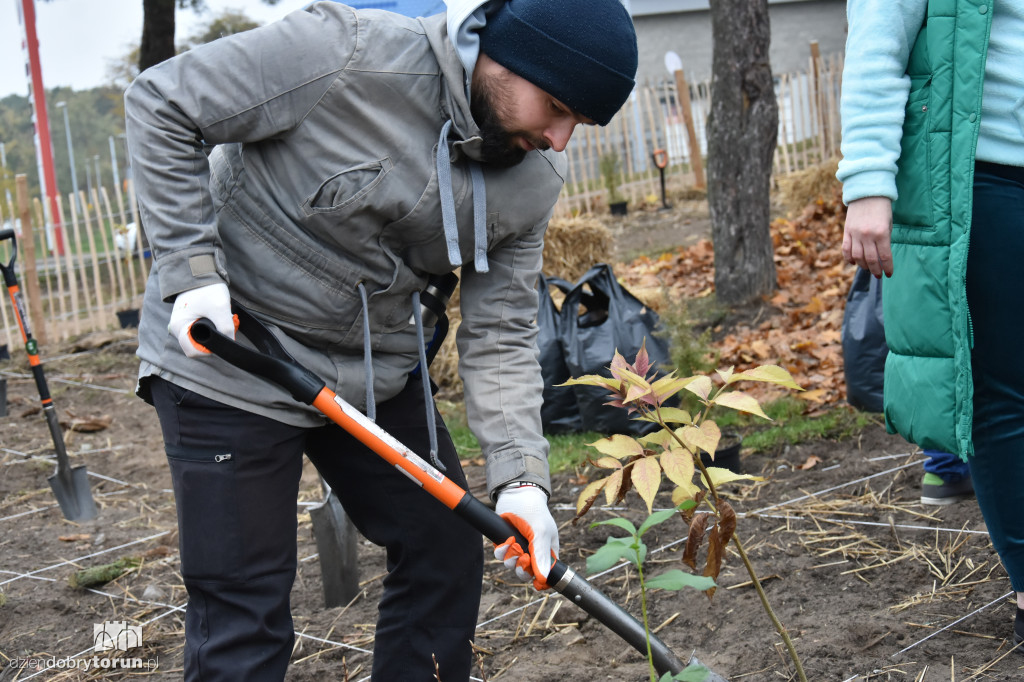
(597, 318)
(863, 339)
(559, 412)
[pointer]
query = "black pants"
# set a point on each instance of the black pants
(994, 282)
(236, 478)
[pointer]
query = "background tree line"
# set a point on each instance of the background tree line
(96, 115)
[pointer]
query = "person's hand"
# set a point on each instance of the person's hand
(866, 235)
(212, 302)
(526, 508)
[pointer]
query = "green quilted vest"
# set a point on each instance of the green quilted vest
(928, 387)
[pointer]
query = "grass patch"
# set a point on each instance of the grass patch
(791, 424)
(567, 451)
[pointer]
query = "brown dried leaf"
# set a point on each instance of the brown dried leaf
(714, 563)
(726, 521)
(810, 463)
(698, 525)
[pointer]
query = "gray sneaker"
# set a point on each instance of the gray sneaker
(936, 491)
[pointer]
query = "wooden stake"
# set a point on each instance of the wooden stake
(28, 249)
(101, 313)
(82, 269)
(696, 161)
(69, 264)
(122, 282)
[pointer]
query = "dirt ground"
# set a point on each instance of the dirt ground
(870, 584)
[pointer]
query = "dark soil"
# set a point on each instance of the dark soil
(858, 571)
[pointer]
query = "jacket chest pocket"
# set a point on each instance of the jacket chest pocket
(347, 191)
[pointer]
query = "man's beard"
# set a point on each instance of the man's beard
(499, 147)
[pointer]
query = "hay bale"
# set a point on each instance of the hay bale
(798, 189)
(571, 247)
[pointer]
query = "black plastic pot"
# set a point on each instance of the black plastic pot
(619, 207)
(727, 455)
(128, 318)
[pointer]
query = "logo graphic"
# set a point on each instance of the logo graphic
(108, 636)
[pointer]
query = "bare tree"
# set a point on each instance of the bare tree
(157, 32)
(158, 28)
(742, 133)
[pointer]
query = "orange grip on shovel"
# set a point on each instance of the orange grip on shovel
(272, 362)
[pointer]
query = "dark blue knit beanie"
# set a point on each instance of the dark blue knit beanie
(582, 52)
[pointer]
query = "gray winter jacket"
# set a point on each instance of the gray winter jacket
(323, 175)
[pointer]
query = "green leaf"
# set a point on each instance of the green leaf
(720, 476)
(673, 415)
(619, 446)
(704, 438)
(687, 505)
(669, 385)
(646, 476)
(660, 437)
(738, 400)
(654, 519)
(608, 556)
(594, 380)
(695, 672)
(676, 580)
(725, 374)
(700, 386)
(685, 492)
(678, 466)
(618, 522)
(772, 374)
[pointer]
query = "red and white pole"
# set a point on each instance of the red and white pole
(40, 121)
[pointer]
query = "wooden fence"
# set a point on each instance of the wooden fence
(657, 118)
(81, 277)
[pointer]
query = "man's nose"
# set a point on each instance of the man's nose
(558, 134)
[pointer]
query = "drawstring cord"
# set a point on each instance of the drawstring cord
(448, 220)
(371, 403)
(428, 399)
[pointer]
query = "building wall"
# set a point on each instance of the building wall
(688, 33)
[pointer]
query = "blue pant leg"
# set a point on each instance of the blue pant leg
(949, 467)
(236, 478)
(995, 280)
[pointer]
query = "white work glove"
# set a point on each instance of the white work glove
(212, 302)
(526, 508)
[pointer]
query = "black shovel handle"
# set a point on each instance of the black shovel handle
(273, 363)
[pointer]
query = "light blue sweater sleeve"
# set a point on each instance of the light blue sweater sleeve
(874, 94)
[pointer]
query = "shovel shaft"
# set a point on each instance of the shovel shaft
(496, 529)
(291, 376)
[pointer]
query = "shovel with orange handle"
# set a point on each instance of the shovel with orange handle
(272, 362)
(70, 485)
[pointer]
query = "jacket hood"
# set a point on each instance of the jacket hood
(465, 19)
(464, 133)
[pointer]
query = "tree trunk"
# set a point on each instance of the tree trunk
(157, 32)
(742, 135)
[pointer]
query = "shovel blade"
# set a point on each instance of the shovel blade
(336, 541)
(73, 494)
